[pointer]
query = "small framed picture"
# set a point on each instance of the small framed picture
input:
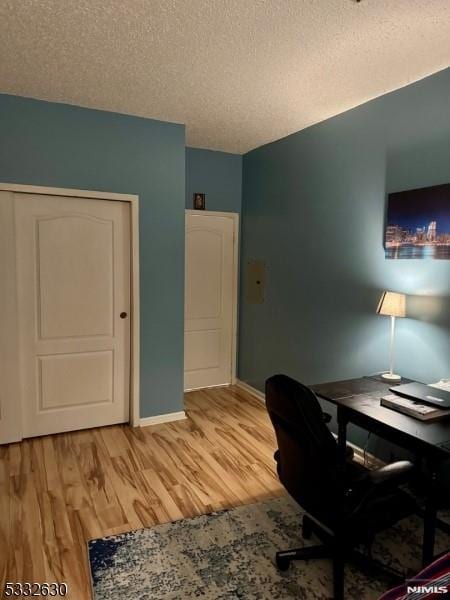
(199, 201)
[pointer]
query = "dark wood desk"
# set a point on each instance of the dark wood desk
(358, 402)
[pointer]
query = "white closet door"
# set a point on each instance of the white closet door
(209, 298)
(73, 270)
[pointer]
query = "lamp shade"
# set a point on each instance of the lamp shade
(391, 304)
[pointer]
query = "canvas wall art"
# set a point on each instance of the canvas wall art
(418, 223)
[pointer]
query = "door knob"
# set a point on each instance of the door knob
(123, 315)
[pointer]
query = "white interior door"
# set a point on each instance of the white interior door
(73, 278)
(209, 300)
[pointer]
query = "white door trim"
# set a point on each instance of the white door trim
(11, 320)
(235, 218)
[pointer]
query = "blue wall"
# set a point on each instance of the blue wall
(218, 174)
(50, 144)
(313, 209)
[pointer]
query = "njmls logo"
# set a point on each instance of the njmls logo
(427, 589)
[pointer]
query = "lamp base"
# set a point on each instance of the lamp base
(391, 377)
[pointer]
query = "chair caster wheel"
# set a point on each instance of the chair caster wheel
(282, 563)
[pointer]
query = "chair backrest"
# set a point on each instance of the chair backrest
(307, 457)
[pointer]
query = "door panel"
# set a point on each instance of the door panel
(74, 253)
(202, 350)
(209, 300)
(73, 257)
(91, 374)
(205, 253)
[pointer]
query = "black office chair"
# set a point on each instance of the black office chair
(346, 505)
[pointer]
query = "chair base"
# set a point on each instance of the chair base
(338, 552)
(284, 558)
(370, 566)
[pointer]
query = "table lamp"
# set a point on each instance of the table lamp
(392, 305)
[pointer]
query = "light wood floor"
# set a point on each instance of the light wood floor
(57, 492)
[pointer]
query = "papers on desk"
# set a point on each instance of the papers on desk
(442, 384)
(423, 412)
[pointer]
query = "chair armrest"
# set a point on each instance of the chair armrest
(395, 473)
(375, 483)
(326, 417)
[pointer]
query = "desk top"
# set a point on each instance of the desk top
(358, 402)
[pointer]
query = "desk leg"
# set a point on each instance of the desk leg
(342, 435)
(429, 521)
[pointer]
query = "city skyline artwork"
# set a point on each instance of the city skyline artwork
(418, 224)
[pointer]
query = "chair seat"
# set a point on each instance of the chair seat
(381, 512)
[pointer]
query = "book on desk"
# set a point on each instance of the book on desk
(413, 408)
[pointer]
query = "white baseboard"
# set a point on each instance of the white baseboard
(366, 458)
(167, 418)
(251, 390)
(207, 387)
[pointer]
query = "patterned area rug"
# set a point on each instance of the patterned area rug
(229, 555)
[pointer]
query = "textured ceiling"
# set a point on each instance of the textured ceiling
(238, 73)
